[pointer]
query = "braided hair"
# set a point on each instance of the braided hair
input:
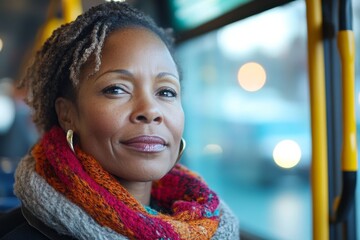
(56, 67)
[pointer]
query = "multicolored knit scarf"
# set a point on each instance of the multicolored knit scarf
(193, 206)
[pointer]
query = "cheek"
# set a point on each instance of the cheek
(97, 119)
(177, 120)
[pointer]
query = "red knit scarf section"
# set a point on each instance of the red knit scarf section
(192, 205)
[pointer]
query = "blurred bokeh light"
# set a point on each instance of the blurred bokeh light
(287, 154)
(251, 76)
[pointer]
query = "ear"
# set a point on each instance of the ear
(65, 111)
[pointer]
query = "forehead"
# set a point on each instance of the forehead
(130, 46)
(132, 32)
(133, 39)
(136, 48)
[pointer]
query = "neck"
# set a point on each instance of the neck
(141, 191)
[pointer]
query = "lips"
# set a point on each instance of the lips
(146, 144)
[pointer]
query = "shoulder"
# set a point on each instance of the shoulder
(228, 228)
(21, 224)
(14, 226)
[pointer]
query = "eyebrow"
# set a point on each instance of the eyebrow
(163, 74)
(129, 74)
(121, 71)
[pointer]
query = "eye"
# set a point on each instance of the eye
(113, 90)
(167, 93)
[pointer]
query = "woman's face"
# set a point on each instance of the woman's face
(129, 114)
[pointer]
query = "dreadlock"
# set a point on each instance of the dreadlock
(56, 67)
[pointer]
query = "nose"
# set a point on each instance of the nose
(146, 110)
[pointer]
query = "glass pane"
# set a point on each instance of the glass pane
(246, 100)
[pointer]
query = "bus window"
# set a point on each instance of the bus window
(246, 99)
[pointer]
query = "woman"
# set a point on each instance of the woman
(105, 91)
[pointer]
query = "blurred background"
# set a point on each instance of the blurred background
(245, 96)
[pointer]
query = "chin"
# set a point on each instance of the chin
(153, 173)
(152, 176)
(145, 173)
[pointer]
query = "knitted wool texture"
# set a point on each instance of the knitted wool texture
(54, 209)
(67, 218)
(81, 179)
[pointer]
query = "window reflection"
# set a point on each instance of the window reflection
(232, 130)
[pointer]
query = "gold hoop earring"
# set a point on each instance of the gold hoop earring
(182, 148)
(69, 139)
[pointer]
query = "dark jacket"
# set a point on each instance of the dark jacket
(21, 224)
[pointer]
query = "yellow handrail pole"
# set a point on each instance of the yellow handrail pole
(71, 9)
(346, 45)
(319, 166)
(42, 34)
(51, 23)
